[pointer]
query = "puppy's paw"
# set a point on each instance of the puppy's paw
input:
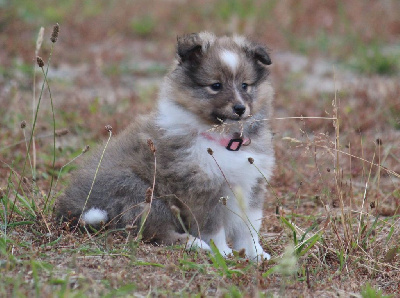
(196, 243)
(260, 254)
(255, 253)
(260, 257)
(265, 255)
(223, 248)
(225, 251)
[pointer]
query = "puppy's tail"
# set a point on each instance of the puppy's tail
(95, 216)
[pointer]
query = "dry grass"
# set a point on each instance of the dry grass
(332, 217)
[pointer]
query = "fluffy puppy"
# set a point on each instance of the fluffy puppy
(213, 102)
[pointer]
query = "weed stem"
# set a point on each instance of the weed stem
(94, 178)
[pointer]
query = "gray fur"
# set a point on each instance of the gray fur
(127, 169)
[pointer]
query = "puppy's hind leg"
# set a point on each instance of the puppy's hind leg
(190, 241)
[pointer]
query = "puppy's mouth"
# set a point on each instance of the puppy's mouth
(220, 118)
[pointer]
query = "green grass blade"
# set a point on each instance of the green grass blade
(27, 205)
(122, 291)
(218, 260)
(20, 223)
(290, 226)
(389, 236)
(141, 263)
(52, 242)
(270, 271)
(312, 240)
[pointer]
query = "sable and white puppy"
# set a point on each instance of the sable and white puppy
(215, 97)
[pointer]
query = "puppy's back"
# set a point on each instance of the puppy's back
(123, 176)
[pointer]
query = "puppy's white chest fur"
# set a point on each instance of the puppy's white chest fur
(234, 165)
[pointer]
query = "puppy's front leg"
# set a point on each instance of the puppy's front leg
(219, 239)
(246, 232)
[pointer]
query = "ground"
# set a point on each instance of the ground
(331, 221)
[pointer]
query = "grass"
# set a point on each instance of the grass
(143, 26)
(371, 59)
(332, 218)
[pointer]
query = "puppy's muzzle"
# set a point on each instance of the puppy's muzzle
(239, 109)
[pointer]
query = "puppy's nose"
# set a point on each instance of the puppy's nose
(239, 109)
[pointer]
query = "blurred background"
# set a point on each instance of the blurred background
(111, 56)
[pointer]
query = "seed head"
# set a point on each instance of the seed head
(223, 200)
(108, 128)
(148, 195)
(151, 146)
(242, 253)
(110, 241)
(129, 228)
(379, 142)
(288, 265)
(23, 124)
(175, 210)
(61, 132)
(54, 34)
(209, 150)
(39, 61)
(198, 288)
(251, 160)
(86, 149)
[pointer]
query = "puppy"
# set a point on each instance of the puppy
(207, 129)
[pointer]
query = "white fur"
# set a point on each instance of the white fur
(94, 216)
(231, 59)
(240, 40)
(245, 229)
(235, 165)
(208, 39)
(220, 242)
(175, 119)
(194, 243)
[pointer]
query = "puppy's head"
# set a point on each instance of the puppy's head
(220, 79)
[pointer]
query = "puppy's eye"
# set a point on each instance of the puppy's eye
(245, 86)
(216, 87)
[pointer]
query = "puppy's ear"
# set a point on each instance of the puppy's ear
(261, 54)
(189, 48)
(254, 50)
